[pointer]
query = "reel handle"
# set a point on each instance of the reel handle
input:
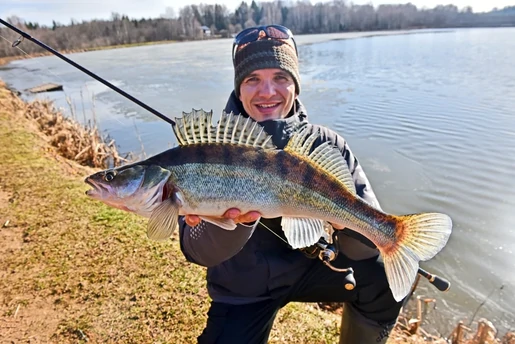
(327, 255)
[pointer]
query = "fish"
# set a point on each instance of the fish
(234, 164)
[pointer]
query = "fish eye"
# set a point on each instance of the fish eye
(109, 176)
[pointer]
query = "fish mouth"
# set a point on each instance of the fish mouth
(96, 188)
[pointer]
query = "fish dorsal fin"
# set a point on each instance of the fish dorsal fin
(195, 127)
(326, 156)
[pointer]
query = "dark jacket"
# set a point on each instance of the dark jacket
(250, 264)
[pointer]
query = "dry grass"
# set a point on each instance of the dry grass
(73, 141)
(73, 270)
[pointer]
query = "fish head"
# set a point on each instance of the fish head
(134, 188)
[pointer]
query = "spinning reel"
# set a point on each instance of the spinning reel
(328, 251)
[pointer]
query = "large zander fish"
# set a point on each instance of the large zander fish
(235, 164)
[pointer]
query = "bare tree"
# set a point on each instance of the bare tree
(301, 16)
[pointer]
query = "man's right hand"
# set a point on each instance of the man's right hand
(232, 213)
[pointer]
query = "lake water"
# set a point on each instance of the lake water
(431, 116)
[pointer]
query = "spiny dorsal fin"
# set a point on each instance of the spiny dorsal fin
(195, 127)
(325, 156)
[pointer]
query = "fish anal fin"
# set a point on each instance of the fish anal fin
(420, 238)
(325, 156)
(302, 232)
(163, 220)
(227, 224)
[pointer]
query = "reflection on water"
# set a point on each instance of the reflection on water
(431, 117)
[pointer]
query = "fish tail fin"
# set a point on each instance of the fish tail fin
(420, 238)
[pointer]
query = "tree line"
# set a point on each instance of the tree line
(204, 21)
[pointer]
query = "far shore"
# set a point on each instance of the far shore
(299, 39)
(320, 38)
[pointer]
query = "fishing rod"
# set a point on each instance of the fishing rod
(88, 72)
(328, 251)
(439, 282)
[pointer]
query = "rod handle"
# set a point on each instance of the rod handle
(439, 282)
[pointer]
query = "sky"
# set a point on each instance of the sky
(62, 11)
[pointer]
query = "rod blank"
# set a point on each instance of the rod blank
(91, 74)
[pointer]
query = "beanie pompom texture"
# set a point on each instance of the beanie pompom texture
(266, 53)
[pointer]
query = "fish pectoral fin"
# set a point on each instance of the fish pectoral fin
(302, 232)
(163, 221)
(227, 224)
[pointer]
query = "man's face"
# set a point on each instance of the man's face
(268, 94)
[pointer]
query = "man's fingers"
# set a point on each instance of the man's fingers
(232, 213)
(236, 215)
(251, 216)
(192, 220)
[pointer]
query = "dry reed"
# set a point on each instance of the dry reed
(408, 329)
(72, 140)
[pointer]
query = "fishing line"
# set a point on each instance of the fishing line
(15, 45)
(45, 68)
(274, 233)
(84, 70)
(484, 302)
(8, 41)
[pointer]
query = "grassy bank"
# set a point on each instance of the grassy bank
(72, 269)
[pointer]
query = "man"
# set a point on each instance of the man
(252, 272)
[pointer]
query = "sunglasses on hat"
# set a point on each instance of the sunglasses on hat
(255, 33)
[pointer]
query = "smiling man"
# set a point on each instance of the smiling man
(252, 271)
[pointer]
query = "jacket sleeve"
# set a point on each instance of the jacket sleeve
(208, 245)
(363, 187)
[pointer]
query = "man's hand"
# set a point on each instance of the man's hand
(232, 213)
(337, 226)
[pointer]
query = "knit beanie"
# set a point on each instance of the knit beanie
(265, 53)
